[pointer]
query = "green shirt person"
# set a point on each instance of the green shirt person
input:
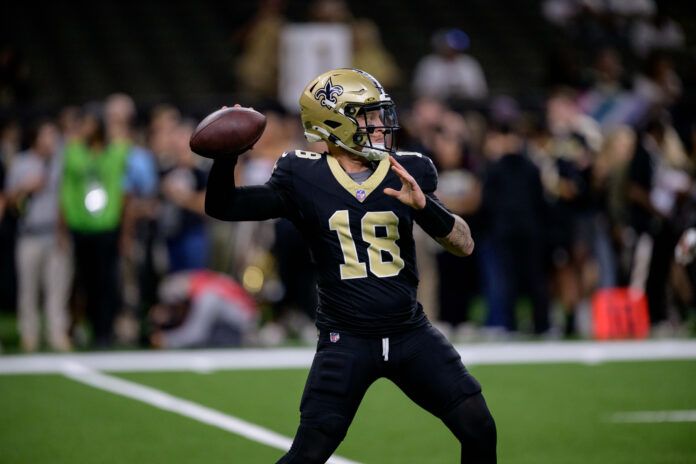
(92, 191)
(93, 205)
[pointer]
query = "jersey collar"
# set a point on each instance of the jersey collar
(358, 191)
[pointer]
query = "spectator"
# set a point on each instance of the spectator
(92, 199)
(120, 114)
(42, 253)
(607, 101)
(460, 191)
(138, 269)
(422, 124)
(609, 184)
(164, 121)
(449, 72)
(566, 173)
(656, 182)
(514, 208)
(202, 309)
(565, 119)
(182, 218)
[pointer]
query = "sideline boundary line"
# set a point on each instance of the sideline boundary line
(167, 402)
(204, 361)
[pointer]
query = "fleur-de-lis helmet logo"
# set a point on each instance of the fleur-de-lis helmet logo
(328, 93)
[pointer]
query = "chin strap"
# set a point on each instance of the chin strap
(369, 153)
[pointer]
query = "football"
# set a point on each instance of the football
(226, 132)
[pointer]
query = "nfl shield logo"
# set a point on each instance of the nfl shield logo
(360, 195)
(334, 337)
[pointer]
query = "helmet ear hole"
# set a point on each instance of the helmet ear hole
(332, 124)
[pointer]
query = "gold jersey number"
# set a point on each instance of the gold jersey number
(354, 269)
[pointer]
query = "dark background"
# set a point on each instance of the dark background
(183, 52)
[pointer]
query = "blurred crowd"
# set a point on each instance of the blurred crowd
(105, 241)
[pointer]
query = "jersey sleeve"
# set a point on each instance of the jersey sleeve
(282, 182)
(225, 201)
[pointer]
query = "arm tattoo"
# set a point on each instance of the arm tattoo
(459, 241)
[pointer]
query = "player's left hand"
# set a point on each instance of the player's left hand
(410, 193)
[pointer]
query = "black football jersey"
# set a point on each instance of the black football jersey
(361, 240)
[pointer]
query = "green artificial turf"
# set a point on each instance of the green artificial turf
(545, 414)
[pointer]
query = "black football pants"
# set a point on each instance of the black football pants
(421, 362)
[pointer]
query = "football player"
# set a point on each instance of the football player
(355, 205)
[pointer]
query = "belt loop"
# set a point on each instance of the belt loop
(385, 348)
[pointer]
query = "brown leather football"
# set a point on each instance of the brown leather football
(227, 132)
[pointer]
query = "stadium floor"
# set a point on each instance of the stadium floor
(627, 402)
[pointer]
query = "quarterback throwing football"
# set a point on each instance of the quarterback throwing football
(356, 205)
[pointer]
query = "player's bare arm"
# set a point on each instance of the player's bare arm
(458, 241)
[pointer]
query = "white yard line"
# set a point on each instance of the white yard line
(649, 417)
(167, 402)
(482, 354)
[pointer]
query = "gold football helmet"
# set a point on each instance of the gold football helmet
(345, 107)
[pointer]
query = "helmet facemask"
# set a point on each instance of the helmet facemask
(375, 136)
